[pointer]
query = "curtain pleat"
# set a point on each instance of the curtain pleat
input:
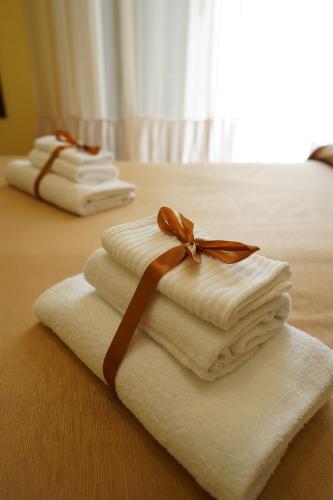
(149, 139)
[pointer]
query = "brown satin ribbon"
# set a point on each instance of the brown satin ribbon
(70, 142)
(324, 153)
(228, 252)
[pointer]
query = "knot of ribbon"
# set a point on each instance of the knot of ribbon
(69, 142)
(169, 223)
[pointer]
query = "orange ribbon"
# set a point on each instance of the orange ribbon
(70, 142)
(64, 136)
(228, 252)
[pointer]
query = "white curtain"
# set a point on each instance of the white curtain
(186, 80)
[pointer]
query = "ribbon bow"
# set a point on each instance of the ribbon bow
(228, 252)
(66, 137)
(69, 142)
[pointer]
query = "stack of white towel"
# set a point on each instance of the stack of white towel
(78, 182)
(214, 373)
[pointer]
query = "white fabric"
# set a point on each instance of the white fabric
(124, 75)
(214, 291)
(229, 434)
(49, 143)
(198, 345)
(80, 199)
(170, 80)
(85, 174)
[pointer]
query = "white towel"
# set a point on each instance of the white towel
(229, 434)
(86, 174)
(216, 292)
(207, 350)
(49, 143)
(80, 199)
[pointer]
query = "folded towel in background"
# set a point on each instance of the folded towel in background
(80, 199)
(49, 143)
(207, 350)
(216, 292)
(230, 434)
(86, 173)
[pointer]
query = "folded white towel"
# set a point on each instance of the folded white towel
(86, 173)
(216, 292)
(207, 350)
(229, 434)
(80, 199)
(49, 143)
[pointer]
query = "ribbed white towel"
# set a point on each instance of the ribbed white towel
(49, 143)
(216, 292)
(229, 434)
(207, 350)
(86, 173)
(80, 199)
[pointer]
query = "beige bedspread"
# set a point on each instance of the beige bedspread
(62, 433)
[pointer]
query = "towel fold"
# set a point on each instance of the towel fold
(49, 143)
(219, 293)
(207, 350)
(80, 199)
(86, 173)
(230, 434)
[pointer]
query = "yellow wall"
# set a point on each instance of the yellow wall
(18, 128)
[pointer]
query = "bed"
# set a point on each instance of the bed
(63, 433)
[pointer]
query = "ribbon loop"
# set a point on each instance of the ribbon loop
(228, 252)
(64, 136)
(169, 223)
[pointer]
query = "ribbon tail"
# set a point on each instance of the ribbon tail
(136, 308)
(47, 167)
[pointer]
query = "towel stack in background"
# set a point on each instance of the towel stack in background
(214, 372)
(79, 182)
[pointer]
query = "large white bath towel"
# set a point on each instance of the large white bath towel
(80, 199)
(216, 292)
(207, 350)
(230, 434)
(86, 174)
(49, 143)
